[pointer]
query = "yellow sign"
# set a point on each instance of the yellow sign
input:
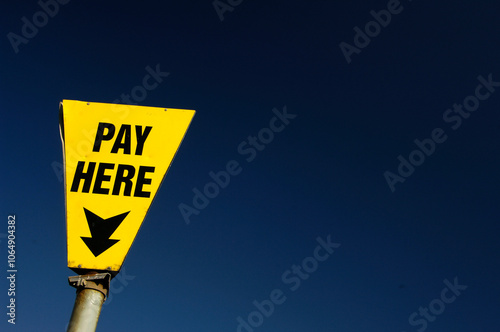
(115, 159)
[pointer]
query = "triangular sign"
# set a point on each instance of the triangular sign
(115, 158)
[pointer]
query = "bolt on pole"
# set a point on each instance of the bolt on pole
(91, 292)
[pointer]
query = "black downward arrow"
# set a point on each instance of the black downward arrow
(101, 229)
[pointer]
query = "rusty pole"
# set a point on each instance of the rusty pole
(91, 292)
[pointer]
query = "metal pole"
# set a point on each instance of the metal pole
(91, 292)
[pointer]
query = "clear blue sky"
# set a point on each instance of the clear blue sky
(359, 105)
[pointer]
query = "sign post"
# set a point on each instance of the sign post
(92, 290)
(115, 159)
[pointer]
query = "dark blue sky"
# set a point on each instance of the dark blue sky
(321, 176)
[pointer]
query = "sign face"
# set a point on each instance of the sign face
(115, 158)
